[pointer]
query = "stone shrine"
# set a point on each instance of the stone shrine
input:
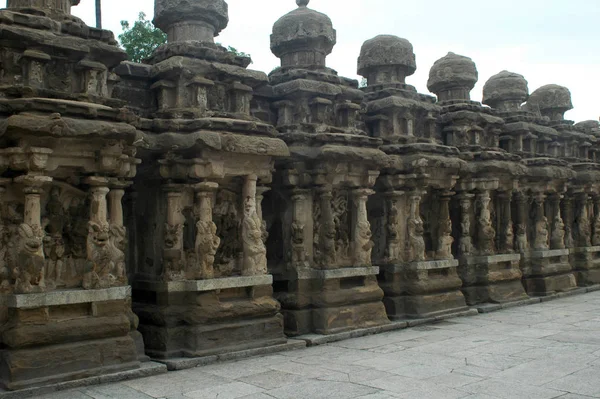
(188, 206)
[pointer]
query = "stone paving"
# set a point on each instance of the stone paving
(543, 351)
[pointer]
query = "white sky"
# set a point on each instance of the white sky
(547, 41)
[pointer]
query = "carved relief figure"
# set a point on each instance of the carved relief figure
(27, 260)
(173, 253)
(596, 236)
(340, 219)
(584, 228)
(5, 274)
(486, 232)
(416, 242)
(117, 245)
(394, 246)
(227, 220)
(465, 243)
(298, 250)
(206, 246)
(509, 238)
(521, 242)
(364, 245)
(541, 233)
(445, 240)
(557, 238)
(98, 268)
(255, 252)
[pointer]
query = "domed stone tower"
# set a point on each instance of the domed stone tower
(322, 223)
(303, 37)
(453, 77)
(386, 59)
(506, 91)
(551, 101)
(184, 20)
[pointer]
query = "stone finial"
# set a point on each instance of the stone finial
(53, 6)
(551, 101)
(590, 127)
(506, 91)
(453, 77)
(386, 59)
(191, 20)
(303, 37)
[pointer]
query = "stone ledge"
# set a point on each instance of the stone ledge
(64, 297)
(146, 369)
(492, 307)
(191, 362)
(319, 339)
(584, 250)
(204, 285)
(343, 272)
(546, 253)
(423, 265)
(490, 259)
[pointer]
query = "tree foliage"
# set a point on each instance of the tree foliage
(141, 39)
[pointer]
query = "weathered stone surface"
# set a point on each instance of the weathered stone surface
(386, 59)
(506, 90)
(453, 77)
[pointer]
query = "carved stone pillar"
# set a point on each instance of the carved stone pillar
(174, 259)
(584, 225)
(394, 253)
(207, 242)
(118, 232)
(444, 238)
(568, 217)
(485, 230)
(415, 251)
(299, 253)
(466, 241)
(541, 234)
(507, 238)
(260, 195)
(557, 237)
(327, 253)
(521, 240)
(255, 252)
(115, 200)
(362, 243)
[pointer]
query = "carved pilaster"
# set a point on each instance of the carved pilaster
(557, 237)
(541, 234)
(415, 250)
(466, 241)
(583, 223)
(521, 240)
(507, 237)
(444, 238)
(362, 243)
(394, 251)
(567, 205)
(486, 234)
(255, 252)
(327, 256)
(300, 241)
(207, 242)
(174, 259)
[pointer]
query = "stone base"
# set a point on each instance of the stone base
(207, 317)
(66, 335)
(586, 265)
(331, 301)
(547, 272)
(421, 289)
(492, 279)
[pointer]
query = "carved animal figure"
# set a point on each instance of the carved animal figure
(27, 260)
(541, 234)
(521, 241)
(364, 245)
(416, 242)
(557, 239)
(207, 243)
(98, 255)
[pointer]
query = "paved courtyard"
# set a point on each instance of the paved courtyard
(547, 350)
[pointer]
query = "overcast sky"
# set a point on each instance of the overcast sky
(547, 41)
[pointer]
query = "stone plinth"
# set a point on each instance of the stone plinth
(492, 278)
(64, 335)
(546, 272)
(330, 301)
(207, 317)
(421, 289)
(586, 265)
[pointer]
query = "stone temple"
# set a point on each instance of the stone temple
(189, 206)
